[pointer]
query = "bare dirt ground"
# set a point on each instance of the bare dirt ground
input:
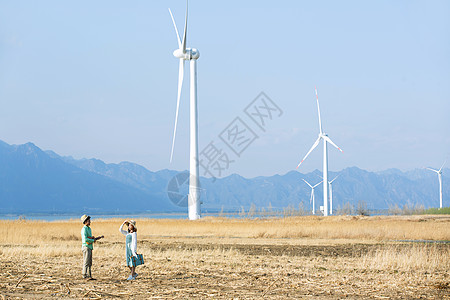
(194, 269)
(291, 258)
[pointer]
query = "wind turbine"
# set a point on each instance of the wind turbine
(331, 192)
(311, 199)
(322, 136)
(190, 54)
(439, 172)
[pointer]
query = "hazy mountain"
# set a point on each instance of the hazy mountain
(379, 190)
(34, 180)
(128, 173)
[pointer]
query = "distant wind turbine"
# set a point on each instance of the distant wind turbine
(331, 192)
(439, 172)
(322, 136)
(190, 54)
(311, 199)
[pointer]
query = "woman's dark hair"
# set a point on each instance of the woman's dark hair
(129, 230)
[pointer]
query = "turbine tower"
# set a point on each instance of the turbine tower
(439, 172)
(190, 54)
(311, 199)
(322, 136)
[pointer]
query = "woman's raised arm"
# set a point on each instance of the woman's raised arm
(124, 232)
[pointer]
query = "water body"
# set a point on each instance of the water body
(177, 215)
(76, 217)
(63, 217)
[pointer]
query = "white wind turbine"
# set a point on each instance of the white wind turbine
(439, 172)
(190, 54)
(322, 136)
(331, 192)
(311, 199)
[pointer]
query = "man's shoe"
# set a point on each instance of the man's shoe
(90, 278)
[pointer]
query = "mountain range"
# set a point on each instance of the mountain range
(33, 180)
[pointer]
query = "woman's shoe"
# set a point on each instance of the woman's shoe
(135, 275)
(130, 277)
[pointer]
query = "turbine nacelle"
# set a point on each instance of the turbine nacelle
(191, 53)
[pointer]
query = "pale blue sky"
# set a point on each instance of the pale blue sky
(98, 79)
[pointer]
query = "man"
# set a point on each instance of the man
(87, 246)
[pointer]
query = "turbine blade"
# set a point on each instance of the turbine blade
(310, 150)
(432, 170)
(331, 142)
(307, 183)
(312, 196)
(317, 184)
(318, 110)
(176, 30)
(442, 165)
(335, 178)
(180, 85)
(183, 44)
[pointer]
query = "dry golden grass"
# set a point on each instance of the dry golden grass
(329, 258)
(340, 227)
(417, 258)
(380, 228)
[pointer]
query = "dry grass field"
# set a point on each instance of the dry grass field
(217, 258)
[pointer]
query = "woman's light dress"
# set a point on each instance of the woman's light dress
(131, 245)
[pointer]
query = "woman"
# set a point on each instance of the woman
(131, 245)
